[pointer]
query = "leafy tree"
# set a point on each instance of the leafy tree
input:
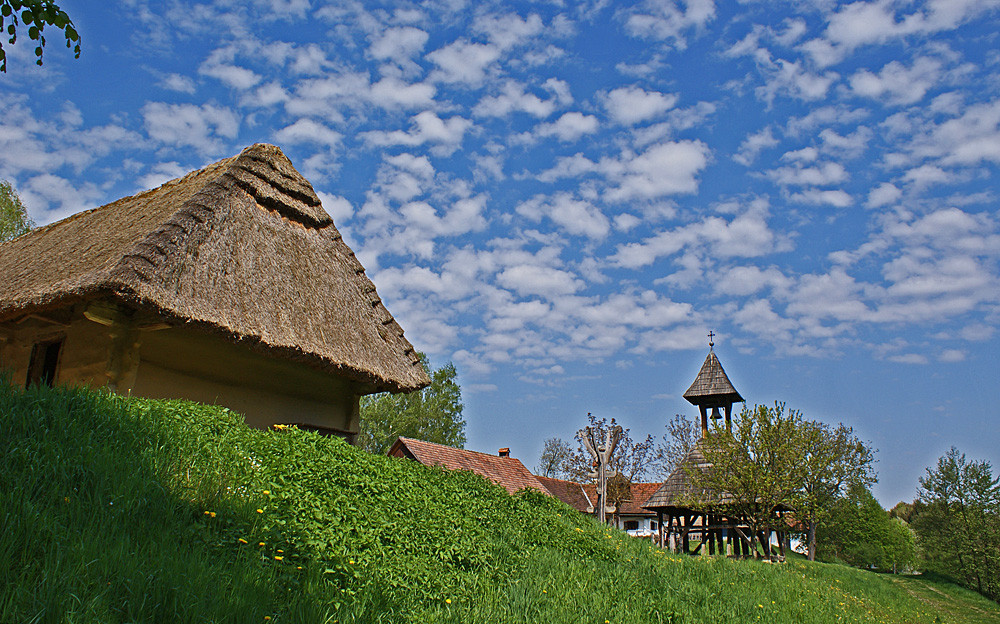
(14, 219)
(863, 534)
(433, 414)
(682, 435)
(756, 467)
(833, 460)
(556, 459)
(35, 15)
(957, 520)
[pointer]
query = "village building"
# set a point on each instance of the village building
(501, 468)
(629, 515)
(230, 285)
(684, 513)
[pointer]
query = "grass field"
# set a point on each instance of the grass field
(129, 510)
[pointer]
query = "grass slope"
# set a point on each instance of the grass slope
(128, 510)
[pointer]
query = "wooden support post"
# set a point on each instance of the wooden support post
(710, 534)
(659, 528)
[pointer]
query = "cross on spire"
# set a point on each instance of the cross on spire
(711, 339)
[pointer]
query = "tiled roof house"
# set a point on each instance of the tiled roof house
(501, 469)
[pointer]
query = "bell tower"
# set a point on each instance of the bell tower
(712, 390)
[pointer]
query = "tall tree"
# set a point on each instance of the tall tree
(433, 414)
(863, 534)
(682, 435)
(35, 15)
(14, 219)
(833, 460)
(957, 520)
(756, 467)
(556, 459)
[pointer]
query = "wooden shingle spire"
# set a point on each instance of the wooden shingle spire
(712, 390)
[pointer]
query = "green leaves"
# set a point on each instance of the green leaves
(36, 14)
(433, 414)
(14, 219)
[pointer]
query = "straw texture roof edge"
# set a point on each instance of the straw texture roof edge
(242, 248)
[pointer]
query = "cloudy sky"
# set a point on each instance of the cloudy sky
(563, 198)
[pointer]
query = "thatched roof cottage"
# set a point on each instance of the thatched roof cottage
(230, 285)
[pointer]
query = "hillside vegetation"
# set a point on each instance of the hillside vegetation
(130, 510)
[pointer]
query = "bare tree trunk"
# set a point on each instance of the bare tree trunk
(812, 540)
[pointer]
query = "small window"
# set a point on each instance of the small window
(652, 525)
(631, 525)
(43, 362)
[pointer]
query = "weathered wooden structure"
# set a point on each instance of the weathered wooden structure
(230, 285)
(686, 514)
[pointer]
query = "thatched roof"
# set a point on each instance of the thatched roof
(678, 490)
(712, 386)
(241, 248)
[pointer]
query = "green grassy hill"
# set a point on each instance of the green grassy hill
(127, 510)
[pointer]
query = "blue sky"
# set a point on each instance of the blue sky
(563, 198)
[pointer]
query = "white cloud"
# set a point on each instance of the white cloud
(509, 30)
(865, 23)
(747, 280)
(883, 195)
(529, 279)
(398, 44)
(569, 127)
(631, 105)
(746, 235)
(463, 62)
(665, 169)
(513, 98)
(897, 84)
(667, 21)
(836, 198)
(576, 217)
(308, 131)
(445, 134)
(823, 174)
(394, 93)
(753, 145)
(220, 65)
(187, 125)
(339, 208)
(177, 82)
(952, 355)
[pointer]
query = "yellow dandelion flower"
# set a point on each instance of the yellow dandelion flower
(260, 511)
(267, 492)
(260, 543)
(207, 512)
(281, 551)
(280, 427)
(351, 562)
(242, 541)
(267, 617)
(447, 600)
(278, 558)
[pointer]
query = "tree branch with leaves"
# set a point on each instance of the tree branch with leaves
(35, 15)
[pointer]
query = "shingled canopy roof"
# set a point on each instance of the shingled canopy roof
(712, 386)
(678, 491)
(503, 470)
(242, 248)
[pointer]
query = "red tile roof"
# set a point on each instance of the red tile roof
(505, 471)
(569, 492)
